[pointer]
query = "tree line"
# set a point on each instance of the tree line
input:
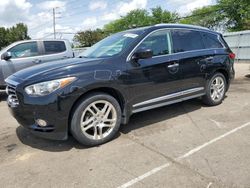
(226, 15)
(12, 34)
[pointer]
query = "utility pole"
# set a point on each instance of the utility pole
(54, 22)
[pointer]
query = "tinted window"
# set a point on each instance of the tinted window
(52, 47)
(186, 40)
(159, 42)
(211, 40)
(112, 45)
(27, 49)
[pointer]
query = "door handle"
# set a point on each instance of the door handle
(175, 65)
(37, 61)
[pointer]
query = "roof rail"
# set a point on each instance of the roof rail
(186, 25)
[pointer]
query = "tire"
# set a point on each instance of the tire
(96, 119)
(210, 99)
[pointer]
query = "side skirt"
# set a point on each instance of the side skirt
(167, 103)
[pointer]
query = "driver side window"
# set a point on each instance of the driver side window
(27, 49)
(159, 42)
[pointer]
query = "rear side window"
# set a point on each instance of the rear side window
(211, 40)
(159, 42)
(186, 40)
(53, 47)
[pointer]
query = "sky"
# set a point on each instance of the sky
(76, 15)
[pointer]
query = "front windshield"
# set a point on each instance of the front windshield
(111, 45)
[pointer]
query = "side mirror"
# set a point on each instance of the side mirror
(143, 53)
(6, 56)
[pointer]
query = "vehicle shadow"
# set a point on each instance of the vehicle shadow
(137, 121)
(27, 138)
(3, 96)
(153, 116)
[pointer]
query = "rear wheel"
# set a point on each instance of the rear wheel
(96, 119)
(215, 90)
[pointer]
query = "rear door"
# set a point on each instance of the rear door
(24, 55)
(54, 50)
(189, 47)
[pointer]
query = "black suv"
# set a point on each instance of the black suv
(126, 73)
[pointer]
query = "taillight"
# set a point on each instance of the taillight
(232, 55)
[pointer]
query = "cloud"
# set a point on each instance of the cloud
(14, 11)
(124, 8)
(47, 32)
(185, 7)
(98, 5)
(193, 5)
(109, 16)
(90, 23)
(48, 5)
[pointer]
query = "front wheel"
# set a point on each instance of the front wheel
(96, 119)
(215, 90)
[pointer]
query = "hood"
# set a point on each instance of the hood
(43, 69)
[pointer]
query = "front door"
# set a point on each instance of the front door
(155, 80)
(23, 55)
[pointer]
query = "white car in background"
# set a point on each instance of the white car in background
(23, 54)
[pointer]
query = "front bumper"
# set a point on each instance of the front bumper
(57, 128)
(54, 109)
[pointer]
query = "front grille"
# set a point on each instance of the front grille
(12, 97)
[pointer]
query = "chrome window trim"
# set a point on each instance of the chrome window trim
(193, 29)
(170, 96)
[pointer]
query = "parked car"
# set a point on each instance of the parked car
(126, 73)
(23, 54)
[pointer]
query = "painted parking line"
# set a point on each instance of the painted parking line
(189, 153)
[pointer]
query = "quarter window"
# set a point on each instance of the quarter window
(27, 49)
(187, 40)
(52, 47)
(211, 40)
(159, 42)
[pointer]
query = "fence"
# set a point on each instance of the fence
(239, 42)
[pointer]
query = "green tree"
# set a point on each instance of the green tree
(163, 16)
(140, 18)
(17, 32)
(3, 40)
(135, 18)
(236, 14)
(227, 15)
(12, 34)
(207, 16)
(89, 37)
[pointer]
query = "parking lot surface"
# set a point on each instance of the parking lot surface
(182, 145)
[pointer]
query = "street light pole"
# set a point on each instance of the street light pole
(54, 23)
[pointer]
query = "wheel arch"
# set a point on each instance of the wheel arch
(225, 74)
(108, 90)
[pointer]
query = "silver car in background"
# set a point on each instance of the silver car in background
(23, 54)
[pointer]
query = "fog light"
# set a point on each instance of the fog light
(41, 122)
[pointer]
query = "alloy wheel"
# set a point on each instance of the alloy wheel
(217, 89)
(98, 120)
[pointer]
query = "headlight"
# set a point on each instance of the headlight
(45, 88)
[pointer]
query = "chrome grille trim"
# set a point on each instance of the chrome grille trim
(12, 96)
